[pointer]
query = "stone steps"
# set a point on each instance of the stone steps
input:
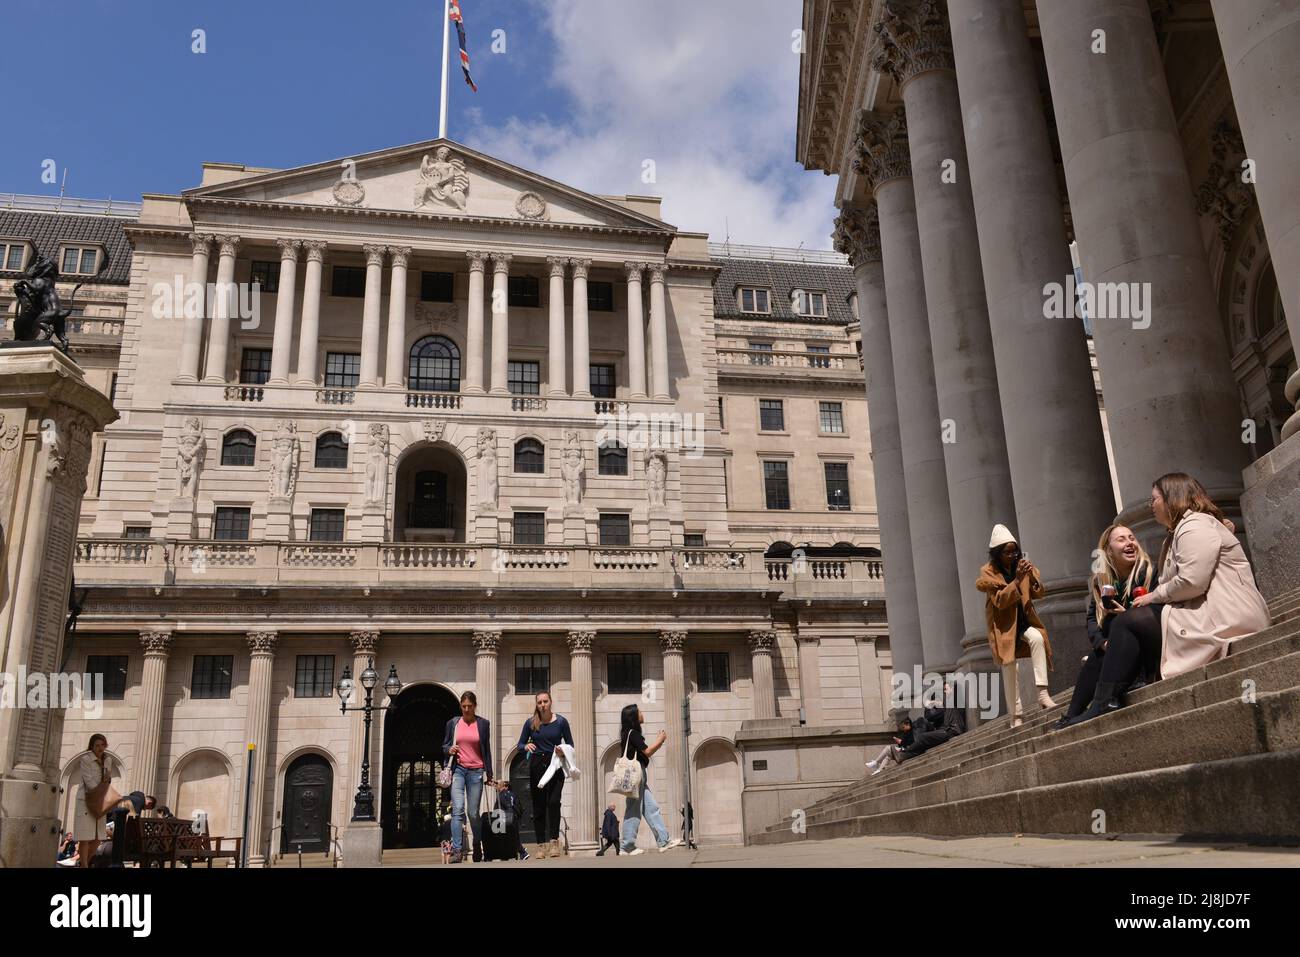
(996, 779)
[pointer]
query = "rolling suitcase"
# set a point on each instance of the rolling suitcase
(501, 844)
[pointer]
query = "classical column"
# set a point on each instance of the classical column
(857, 234)
(581, 347)
(370, 314)
(761, 644)
(658, 331)
(283, 338)
(473, 372)
(257, 723)
(487, 645)
(883, 158)
(192, 336)
(555, 345)
(500, 322)
(148, 721)
(1260, 40)
(583, 720)
(1171, 397)
(914, 48)
(395, 362)
(309, 328)
(674, 644)
(635, 332)
(1049, 406)
(222, 308)
(365, 645)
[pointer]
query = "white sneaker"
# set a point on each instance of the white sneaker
(871, 766)
(875, 771)
(634, 852)
(677, 842)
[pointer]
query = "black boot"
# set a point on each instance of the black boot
(1104, 700)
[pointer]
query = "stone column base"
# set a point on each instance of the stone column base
(485, 526)
(29, 826)
(362, 844)
(1271, 509)
(373, 523)
(279, 518)
(575, 527)
(661, 533)
(180, 519)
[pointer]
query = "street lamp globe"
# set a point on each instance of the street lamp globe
(394, 684)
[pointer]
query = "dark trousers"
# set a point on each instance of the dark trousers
(1085, 685)
(606, 844)
(923, 741)
(1133, 647)
(546, 801)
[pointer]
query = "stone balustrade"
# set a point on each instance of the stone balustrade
(797, 360)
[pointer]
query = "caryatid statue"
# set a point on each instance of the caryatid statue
(571, 470)
(377, 465)
(656, 477)
(190, 447)
(284, 460)
(487, 468)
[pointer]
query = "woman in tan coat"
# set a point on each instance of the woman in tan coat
(1010, 583)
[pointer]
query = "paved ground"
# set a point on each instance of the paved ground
(953, 852)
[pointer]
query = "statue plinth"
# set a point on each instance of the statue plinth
(374, 522)
(180, 518)
(47, 417)
(575, 525)
(279, 518)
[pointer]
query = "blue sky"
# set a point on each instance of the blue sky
(589, 92)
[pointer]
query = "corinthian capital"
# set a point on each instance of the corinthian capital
(289, 248)
(315, 250)
(374, 255)
(227, 244)
(580, 642)
(883, 152)
(580, 267)
(202, 242)
(857, 234)
(364, 642)
(477, 259)
(487, 642)
(557, 264)
(634, 271)
(672, 642)
(912, 37)
(401, 255)
(262, 642)
(761, 642)
(156, 643)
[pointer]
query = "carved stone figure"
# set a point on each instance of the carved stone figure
(9, 442)
(377, 465)
(656, 477)
(433, 429)
(571, 470)
(284, 460)
(190, 448)
(487, 468)
(442, 179)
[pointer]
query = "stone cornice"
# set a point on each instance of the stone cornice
(911, 37)
(857, 234)
(882, 150)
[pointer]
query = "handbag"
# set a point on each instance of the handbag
(444, 776)
(626, 779)
(103, 797)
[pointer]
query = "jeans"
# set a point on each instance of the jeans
(632, 817)
(466, 789)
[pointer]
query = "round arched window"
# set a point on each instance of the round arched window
(434, 366)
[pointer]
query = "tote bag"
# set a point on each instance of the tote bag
(102, 798)
(626, 779)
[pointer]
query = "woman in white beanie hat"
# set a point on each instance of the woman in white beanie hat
(1010, 583)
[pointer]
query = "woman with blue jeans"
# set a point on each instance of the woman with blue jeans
(644, 803)
(468, 740)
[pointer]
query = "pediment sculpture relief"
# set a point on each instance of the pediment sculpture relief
(443, 180)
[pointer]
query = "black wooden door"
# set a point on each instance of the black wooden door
(308, 792)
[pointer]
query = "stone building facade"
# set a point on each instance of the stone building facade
(471, 423)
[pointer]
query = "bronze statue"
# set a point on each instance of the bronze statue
(41, 316)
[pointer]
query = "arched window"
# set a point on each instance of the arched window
(435, 365)
(613, 459)
(331, 451)
(530, 457)
(239, 448)
(779, 550)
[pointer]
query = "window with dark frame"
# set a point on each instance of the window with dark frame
(523, 291)
(771, 415)
(255, 366)
(713, 670)
(530, 528)
(136, 532)
(837, 486)
(327, 525)
(230, 524)
(211, 676)
(624, 673)
(754, 300)
(239, 448)
(831, 415)
(112, 389)
(693, 540)
(612, 458)
(760, 347)
(532, 674)
(819, 357)
(314, 677)
(600, 296)
(113, 669)
(437, 287)
(348, 281)
(615, 529)
(530, 457)
(603, 385)
(331, 451)
(524, 378)
(434, 366)
(266, 275)
(776, 485)
(342, 370)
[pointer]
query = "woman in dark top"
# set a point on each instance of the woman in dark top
(631, 740)
(542, 732)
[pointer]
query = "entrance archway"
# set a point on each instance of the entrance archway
(716, 798)
(413, 729)
(308, 797)
(430, 496)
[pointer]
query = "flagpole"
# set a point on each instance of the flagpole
(446, 29)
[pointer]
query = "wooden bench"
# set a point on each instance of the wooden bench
(159, 842)
(191, 848)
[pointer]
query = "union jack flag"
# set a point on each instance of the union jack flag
(457, 19)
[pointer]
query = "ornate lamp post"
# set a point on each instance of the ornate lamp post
(363, 808)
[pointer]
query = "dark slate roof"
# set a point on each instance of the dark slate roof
(783, 278)
(46, 230)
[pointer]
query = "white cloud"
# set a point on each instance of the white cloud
(707, 90)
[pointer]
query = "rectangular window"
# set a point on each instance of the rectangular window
(713, 671)
(315, 677)
(436, 287)
(524, 378)
(602, 382)
(88, 257)
(255, 366)
(342, 370)
(13, 256)
(693, 540)
(615, 529)
(837, 486)
(78, 260)
(722, 413)
(230, 524)
(809, 303)
(819, 357)
(348, 281)
(754, 300)
(771, 415)
(211, 678)
(831, 416)
(776, 485)
(530, 528)
(326, 525)
(266, 275)
(532, 673)
(523, 291)
(600, 296)
(760, 360)
(113, 668)
(624, 673)
(112, 389)
(136, 532)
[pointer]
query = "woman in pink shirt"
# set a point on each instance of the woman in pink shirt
(468, 743)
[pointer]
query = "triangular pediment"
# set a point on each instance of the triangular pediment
(439, 177)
